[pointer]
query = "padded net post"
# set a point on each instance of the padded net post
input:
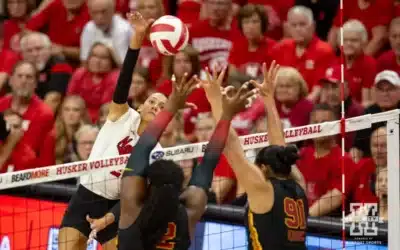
(393, 183)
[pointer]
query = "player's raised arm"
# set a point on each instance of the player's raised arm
(119, 105)
(274, 126)
(267, 90)
(201, 180)
(133, 183)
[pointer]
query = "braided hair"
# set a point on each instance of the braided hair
(162, 203)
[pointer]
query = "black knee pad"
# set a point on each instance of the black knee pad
(130, 238)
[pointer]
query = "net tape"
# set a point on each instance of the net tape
(184, 152)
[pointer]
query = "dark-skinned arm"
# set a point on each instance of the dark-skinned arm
(196, 194)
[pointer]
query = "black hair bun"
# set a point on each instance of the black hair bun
(288, 155)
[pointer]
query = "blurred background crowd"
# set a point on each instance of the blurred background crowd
(60, 60)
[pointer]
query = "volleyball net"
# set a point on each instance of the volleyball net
(32, 202)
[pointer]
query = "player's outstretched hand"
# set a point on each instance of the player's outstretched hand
(267, 87)
(140, 26)
(235, 101)
(181, 89)
(97, 225)
(212, 86)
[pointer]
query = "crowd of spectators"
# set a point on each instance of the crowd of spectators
(60, 60)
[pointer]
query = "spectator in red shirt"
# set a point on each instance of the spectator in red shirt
(363, 189)
(71, 116)
(189, 11)
(304, 51)
(64, 20)
(321, 169)
(248, 54)
(390, 60)
(213, 37)
(140, 87)
(330, 95)
(95, 82)
(38, 117)
(84, 139)
(186, 61)
(150, 9)
(381, 189)
(374, 14)
(360, 68)
(7, 59)
(15, 154)
(277, 12)
(224, 180)
(18, 13)
(387, 97)
(290, 95)
(54, 72)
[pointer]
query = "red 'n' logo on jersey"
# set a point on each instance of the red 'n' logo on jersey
(123, 148)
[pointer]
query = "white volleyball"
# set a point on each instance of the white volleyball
(169, 35)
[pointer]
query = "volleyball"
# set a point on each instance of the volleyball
(169, 35)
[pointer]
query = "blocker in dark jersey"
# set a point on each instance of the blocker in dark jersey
(285, 226)
(177, 236)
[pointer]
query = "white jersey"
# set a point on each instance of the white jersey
(114, 138)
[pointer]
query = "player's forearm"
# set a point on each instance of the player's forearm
(274, 125)
(125, 77)
(202, 175)
(152, 134)
(216, 107)
(326, 203)
(139, 159)
(297, 176)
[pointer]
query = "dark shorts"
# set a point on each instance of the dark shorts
(85, 202)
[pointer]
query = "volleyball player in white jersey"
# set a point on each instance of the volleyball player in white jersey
(98, 193)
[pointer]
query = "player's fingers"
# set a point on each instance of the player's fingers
(190, 105)
(275, 72)
(88, 219)
(271, 69)
(243, 89)
(208, 75)
(264, 71)
(182, 82)
(150, 22)
(255, 84)
(191, 84)
(214, 73)
(228, 91)
(221, 75)
(248, 95)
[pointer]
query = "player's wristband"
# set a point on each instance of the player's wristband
(125, 78)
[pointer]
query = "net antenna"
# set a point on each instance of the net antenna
(249, 142)
(342, 127)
